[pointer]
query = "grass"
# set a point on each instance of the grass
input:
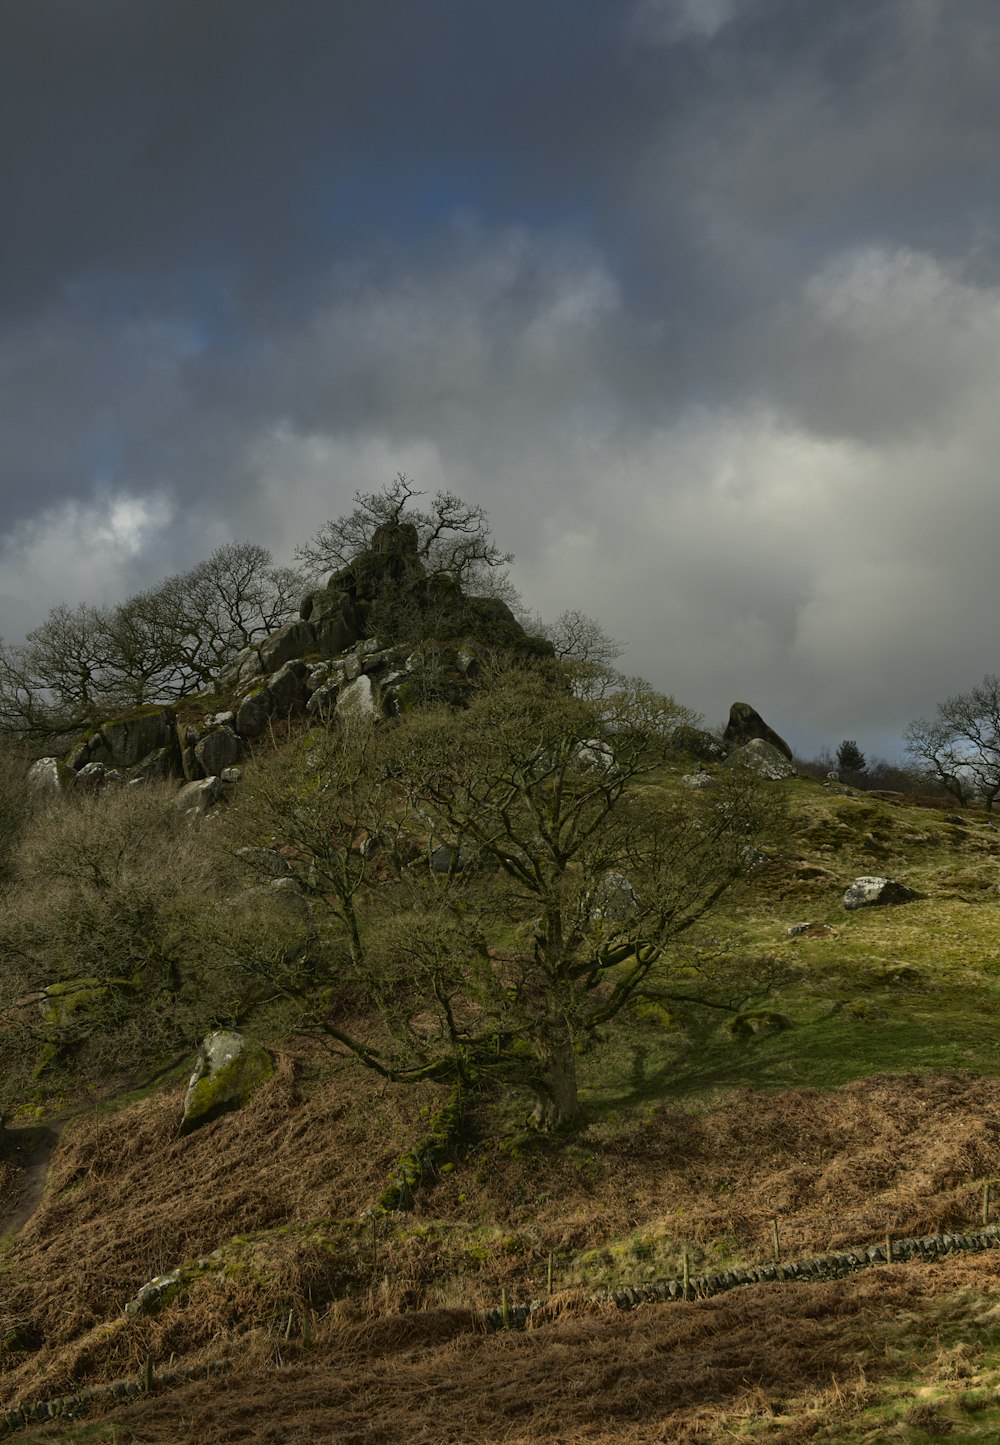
(874, 1110)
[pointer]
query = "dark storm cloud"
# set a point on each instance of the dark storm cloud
(678, 288)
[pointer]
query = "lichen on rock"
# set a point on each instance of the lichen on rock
(229, 1069)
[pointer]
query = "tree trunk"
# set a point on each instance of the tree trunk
(558, 1101)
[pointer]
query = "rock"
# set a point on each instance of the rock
(228, 1070)
(289, 641)
(797, 929)
(594, 753)
(244, 667)
(131, 739)
(265, 860)
(286, 689)
(217, 750)
(442, 859)
(158, 767)
(358, 700)
(746, 725)
(323, 702)
(698, 780)
(61, 1002)
(195, 799)
(764, 759)
(614, 900)
(253, 714)
(94, 776)
(231, 775)
(877, 892)
(49, 775)
(155, 1294)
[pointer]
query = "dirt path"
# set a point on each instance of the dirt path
(25, 1155)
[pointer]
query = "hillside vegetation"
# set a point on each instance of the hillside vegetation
(547, 1019)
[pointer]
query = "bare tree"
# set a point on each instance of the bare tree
(83, 664)
(493, 888)
(451, 537)
(960, 747)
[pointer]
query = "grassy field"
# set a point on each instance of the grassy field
(876, 1108)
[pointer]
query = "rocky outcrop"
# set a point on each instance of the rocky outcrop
(326, 663)
(877, 892)
(228, 1071)
(746, 725)
(762, 758)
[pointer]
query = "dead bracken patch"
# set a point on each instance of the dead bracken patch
(282, 1187)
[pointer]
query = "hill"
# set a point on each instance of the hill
(554, 1000)
(874, 1112)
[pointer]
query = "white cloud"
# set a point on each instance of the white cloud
(75, 552)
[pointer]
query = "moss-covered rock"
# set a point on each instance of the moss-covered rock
(228, 1071)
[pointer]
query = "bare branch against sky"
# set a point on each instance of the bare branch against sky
(700, 299)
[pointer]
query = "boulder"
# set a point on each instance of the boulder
(286, 689)
(217, 750)
(594, 753)
(158, 767)
(745, 725)
(95, 776)
(228, 1070)
(49, 775)
(195, 799)
(323, 701)
(698, 780)
(286, 642)
(358, 700)
(614, 900)
(764, 759)
(877, 892)
(244, 667)
(131, 739)
(60, 1003)
(253, 714)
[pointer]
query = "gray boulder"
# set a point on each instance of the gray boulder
(614, 900)
(130, 740)
(228, 1070)
(764, 759)
(358, 700)
(877, 892)
(286, 689)
(95, 776)
(746, 725)
(217, 750)
(594, 753)
(253, 714)
(49, 775)
(195, 799)
(286, 642)
(158, 767)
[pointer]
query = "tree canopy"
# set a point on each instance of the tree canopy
(494, 884)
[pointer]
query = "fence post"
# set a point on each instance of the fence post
(888, 1248)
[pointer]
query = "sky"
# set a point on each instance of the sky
(700, 299)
